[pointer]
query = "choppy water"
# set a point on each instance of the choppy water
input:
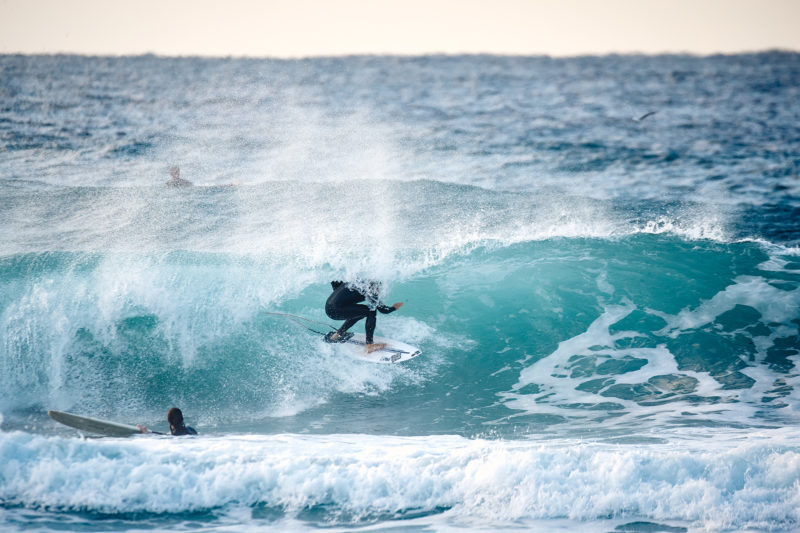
(608, 308)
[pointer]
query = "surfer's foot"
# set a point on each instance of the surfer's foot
(376, 346)
(335, 336)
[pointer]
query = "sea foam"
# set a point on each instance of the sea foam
(749, 481)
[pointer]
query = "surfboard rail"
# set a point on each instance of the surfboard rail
(94, 425)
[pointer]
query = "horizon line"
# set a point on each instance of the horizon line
(409, 55)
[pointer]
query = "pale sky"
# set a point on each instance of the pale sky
(300, 28)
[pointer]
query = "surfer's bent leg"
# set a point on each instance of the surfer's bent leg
(350, 314)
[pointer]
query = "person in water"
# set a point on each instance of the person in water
(345, 304)
(175, 179)
(177, 427)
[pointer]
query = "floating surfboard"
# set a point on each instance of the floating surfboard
(93, 425)
(394, 352)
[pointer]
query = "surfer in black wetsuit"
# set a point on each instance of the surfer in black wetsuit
(177, 427)
(345, 304)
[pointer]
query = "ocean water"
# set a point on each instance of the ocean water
(608, 306)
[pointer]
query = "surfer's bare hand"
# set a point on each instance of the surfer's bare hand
(142, 429)
(398, 305)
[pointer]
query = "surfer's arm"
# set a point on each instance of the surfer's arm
(385, 309)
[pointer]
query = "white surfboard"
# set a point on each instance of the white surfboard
(94, 425)
(394, 352)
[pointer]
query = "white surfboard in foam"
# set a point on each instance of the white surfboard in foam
(394, 352)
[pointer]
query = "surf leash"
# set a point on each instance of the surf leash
(301, 321)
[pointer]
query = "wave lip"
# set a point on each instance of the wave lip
(739, 482)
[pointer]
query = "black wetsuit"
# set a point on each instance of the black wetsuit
(182, 430)
(345, 304)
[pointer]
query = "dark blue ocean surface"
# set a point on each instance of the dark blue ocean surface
(598, 258)
(725, 129)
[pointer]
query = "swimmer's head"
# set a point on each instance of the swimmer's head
(175, 417)
(174, 172)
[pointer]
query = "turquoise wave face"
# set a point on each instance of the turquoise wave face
(606, 335)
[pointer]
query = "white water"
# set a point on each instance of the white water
(742, 481)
